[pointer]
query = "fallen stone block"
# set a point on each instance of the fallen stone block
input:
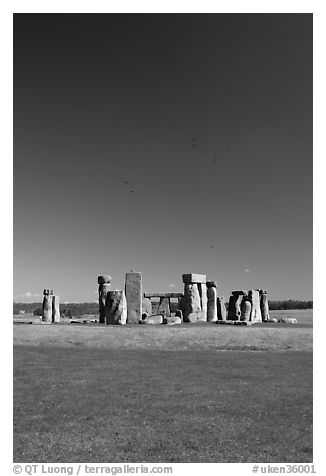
(171, 320)
(228, 323)
(288, 320)
(153, 320)
(243, 323)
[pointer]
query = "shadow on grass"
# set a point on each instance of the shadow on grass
(97, 405)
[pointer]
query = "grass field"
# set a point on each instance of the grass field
(162, 394)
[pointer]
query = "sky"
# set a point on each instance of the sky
(166, 144)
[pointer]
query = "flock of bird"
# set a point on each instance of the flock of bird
(195, 146)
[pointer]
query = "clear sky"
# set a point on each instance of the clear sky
(166, 144)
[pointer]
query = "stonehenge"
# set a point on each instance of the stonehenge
(221, 309)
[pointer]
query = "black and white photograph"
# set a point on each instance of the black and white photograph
(162, 240)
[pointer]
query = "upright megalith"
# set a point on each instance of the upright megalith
(245, 309)
(116, 307)
(146, 307)
(55, 309)
(133, 290)
(221, 309)
(255, 313)
(234, 310)
(103, 289)
(47, 305)
(264, 309)
(211, 301)
(194, 304)
(164, 306)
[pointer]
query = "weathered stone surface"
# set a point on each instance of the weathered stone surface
(242, 292)
(221, 309)
(234, 311)
(104, 279)
(263, 291)
(134, 296)
(171, 321)
(154, 319)
(55, 309)
(192, 301)
(47, 308)
(47, 292)
(178, 313)
(103, 290)
(164, 306)
(288, 320)
(116, 307)
(194, 278)
(273, 319)
(243, 323)
(225, 322)
(211, 284)
(146, 306)
(264, 307)
(253, 297)
(159, 295)
(194, 317)
(202, 288)
(211, 304)
(245, 310)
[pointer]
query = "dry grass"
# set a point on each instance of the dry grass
(186, 337)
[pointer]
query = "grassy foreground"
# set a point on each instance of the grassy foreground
(84, 404)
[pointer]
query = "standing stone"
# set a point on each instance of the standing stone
(264, 309)
(221, 309)
(164, 306)
(202, 288)
(245, 310)
(253, 296)
(192, 302)
(116, 307)
(234, 311)
(133, 290)
(211, 303)
(47, 305)
(146, 307)
(103, 290)
(55, 309)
